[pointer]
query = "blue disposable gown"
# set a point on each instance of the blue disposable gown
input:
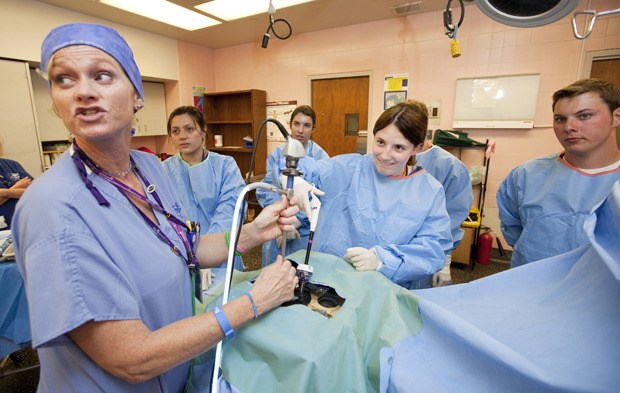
(208, 191)
(454, 177)
(84, 262)
(546, 327)
(404, 219)
(270, 249)
(543, 204)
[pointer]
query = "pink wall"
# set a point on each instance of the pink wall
(417, 45)
(195, 69)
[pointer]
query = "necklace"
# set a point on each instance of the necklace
(117, 174)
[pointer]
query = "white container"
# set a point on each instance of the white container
(219, 140)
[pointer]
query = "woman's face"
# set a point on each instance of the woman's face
(391, 151)
(92, 93)
(185, 134)
(302, 128)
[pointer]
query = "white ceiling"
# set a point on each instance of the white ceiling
(313, 16)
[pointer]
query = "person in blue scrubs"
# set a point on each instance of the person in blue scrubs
(208, 183)
(380, 211)
(543, 203)
(454, 177)
(103, 243)
(14, 180)
(302, 125)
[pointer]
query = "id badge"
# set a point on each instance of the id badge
(195, 275)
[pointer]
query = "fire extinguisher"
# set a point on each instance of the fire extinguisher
(485, 243)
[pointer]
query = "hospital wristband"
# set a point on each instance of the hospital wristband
(223, 322)
(253, 305)
(238, 250)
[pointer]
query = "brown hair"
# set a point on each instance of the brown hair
(198, 117)
(411, 119)
(608, 92)
(305, 110)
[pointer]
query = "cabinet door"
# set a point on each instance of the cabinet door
(51, 127)
(18, 131)
(151, 120)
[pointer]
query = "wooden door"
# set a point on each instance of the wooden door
(607, 69)
(340, 103)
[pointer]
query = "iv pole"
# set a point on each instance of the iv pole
(293, 151)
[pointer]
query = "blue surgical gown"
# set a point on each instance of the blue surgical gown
(545, 327)
(270, 249)
(454, 177)
(208, 191)
(84, 262)
(543, 204)
(404, 219)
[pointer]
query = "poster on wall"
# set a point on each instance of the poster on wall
(281, 111)
(395, 89)
(199, 98)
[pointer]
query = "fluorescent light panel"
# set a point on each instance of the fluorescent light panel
(164, 11)
(229, 9)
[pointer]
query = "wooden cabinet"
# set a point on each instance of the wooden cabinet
(18, 134)
(51, 127)
(462, 254)
(152, 119)
(235, 115)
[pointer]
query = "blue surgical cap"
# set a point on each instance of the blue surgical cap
(98, 36)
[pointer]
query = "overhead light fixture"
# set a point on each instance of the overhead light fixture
(230, 10)
(164, 11)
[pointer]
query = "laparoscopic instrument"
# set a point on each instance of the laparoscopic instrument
(293, 151)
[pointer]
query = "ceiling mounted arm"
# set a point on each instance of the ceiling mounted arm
(591, 24)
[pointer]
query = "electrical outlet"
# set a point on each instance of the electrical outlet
(433, 112)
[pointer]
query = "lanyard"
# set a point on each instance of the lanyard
(187, 232)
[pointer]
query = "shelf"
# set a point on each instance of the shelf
(236, 115)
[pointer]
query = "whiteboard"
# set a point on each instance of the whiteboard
(496, 101)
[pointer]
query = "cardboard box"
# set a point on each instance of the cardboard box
(462, 254)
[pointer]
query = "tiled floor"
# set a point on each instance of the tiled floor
(24, 381)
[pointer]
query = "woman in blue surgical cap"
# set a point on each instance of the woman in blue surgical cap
(104, 245)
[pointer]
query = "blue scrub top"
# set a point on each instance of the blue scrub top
(454, 177)
(543, 205)
(84, 262)
(10, 172)
(208, 191)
